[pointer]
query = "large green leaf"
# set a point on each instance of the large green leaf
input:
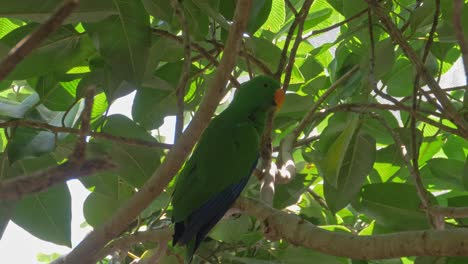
(109, 193)
(46, 215)
(232, 230)
(123, 41)
(157, 100)
(394, 205)
(55, 95)
(136, 163)
(39, 11)
(357, 164)
(30, 142)
(443, 173)
(297, 255)
(265, 51)
(62, 50)
(399, 80)
(276, 18)
(288, 194)
(332, 162)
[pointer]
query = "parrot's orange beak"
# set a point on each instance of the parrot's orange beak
(279, 98)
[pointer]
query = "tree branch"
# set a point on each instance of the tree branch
(185, 75)
(91, 245)
(80, 148)
(206, 54)
(297, 231)
(55, 129)
(18, 187)
(30, 42)
(127, 241)
(339, 24)
(397, 36)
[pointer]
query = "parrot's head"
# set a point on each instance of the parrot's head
(261, 93)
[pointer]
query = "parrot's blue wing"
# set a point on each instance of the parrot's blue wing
(192, 231)
(200, 222)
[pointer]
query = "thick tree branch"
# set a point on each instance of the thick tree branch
(91, 245)
(16, 188)
(30, 42)
(297, 231)
(439, 93)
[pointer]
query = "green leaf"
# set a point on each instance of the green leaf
(456, 148)
(108, 195)
(394, 205)
(61, 51)
(333, 161)
(459, 201)
(55, 95)
(297, 255)
(160, 9)
(40, 11)
(30, 142)
(7, 25)
(13, 109)
(265, 51)
(356, 165)
(136, 163)
(153, 103)
(399, 80)
(46, 215)
(443, 173)
(231, 230)
(276, 17)
(288, 194)
(123, 41)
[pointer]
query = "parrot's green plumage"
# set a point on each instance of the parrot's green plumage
(222, 162)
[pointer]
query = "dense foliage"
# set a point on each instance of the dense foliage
(351, 174)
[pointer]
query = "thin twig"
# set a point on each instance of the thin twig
(185, 75)
(339, 24)
(92, 244)
(206, 54)
(291, 7)
(128, 241)
(414, 107)
(457, 13)
(292, 54)
(267, 187)
(422, 192)
(244, 53)
(15, 188)
(80, 148)
(55, 129)
(297, 131)
(30, 42)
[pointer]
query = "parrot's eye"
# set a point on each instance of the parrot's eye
(265, 85)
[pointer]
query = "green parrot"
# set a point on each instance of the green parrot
(222, 162)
